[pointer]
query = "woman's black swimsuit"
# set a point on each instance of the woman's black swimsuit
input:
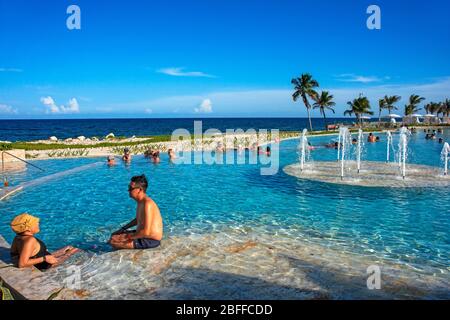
(42, 253)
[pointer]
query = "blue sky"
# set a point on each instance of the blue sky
(216, 58)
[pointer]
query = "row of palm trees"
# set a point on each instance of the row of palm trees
(305, 89)
(439, 108)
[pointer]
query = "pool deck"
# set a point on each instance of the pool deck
(28, 283)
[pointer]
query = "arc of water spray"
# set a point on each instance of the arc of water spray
(345, 134)
(402, 149)
(342, 160)
(444, 154)
(404, 156)
(359, 149)
(389, 143)
(339, 143)
(303, 143)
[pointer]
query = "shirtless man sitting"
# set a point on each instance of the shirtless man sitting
(149, 231)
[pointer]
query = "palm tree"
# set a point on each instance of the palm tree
(432, 107)
(411, 107)
(447, 107)
(440, 108)
(390, 102)
(381, 106)
(408, 110)
(359, 106)
(324, 102)
(304, 88)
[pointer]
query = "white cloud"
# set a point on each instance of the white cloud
(50, 105)
(148, 111)
(10, 70)
(178, 72)
(52, 108)
(205, 107)
(350, 77)
(73, 107)
(5, 109)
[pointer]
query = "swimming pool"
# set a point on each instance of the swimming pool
(405, 226)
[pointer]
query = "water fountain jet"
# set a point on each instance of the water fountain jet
(303, 149)
(444, 156)
(402, 150)
(389, 146)
(378, 173)
(343, 131)
(359, 149)
(344, 138)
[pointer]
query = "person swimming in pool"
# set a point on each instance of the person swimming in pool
(111, 161)
(333, 145)
(149, 231)
(156, 157)
(28, 251)
(172, 155)
(126, 155)
(371, 138)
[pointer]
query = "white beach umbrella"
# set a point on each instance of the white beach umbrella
(366, 118)
(430, 115)
(393, 115)
(416, 115)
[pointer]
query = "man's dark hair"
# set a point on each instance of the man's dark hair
(140, 181)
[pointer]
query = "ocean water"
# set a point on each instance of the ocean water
(26, 130)
(407, 226)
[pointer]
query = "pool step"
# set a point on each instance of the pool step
(5, 193)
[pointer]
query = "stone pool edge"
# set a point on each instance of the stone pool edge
(28, 283)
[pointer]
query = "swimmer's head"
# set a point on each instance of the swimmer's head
(138, 182)
(25, 222)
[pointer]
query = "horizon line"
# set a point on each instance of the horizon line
(184, 118)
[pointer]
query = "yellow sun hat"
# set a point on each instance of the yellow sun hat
(23, 222)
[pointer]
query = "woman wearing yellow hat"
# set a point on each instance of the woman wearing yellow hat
(29, 250)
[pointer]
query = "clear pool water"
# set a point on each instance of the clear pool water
(407, 226)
